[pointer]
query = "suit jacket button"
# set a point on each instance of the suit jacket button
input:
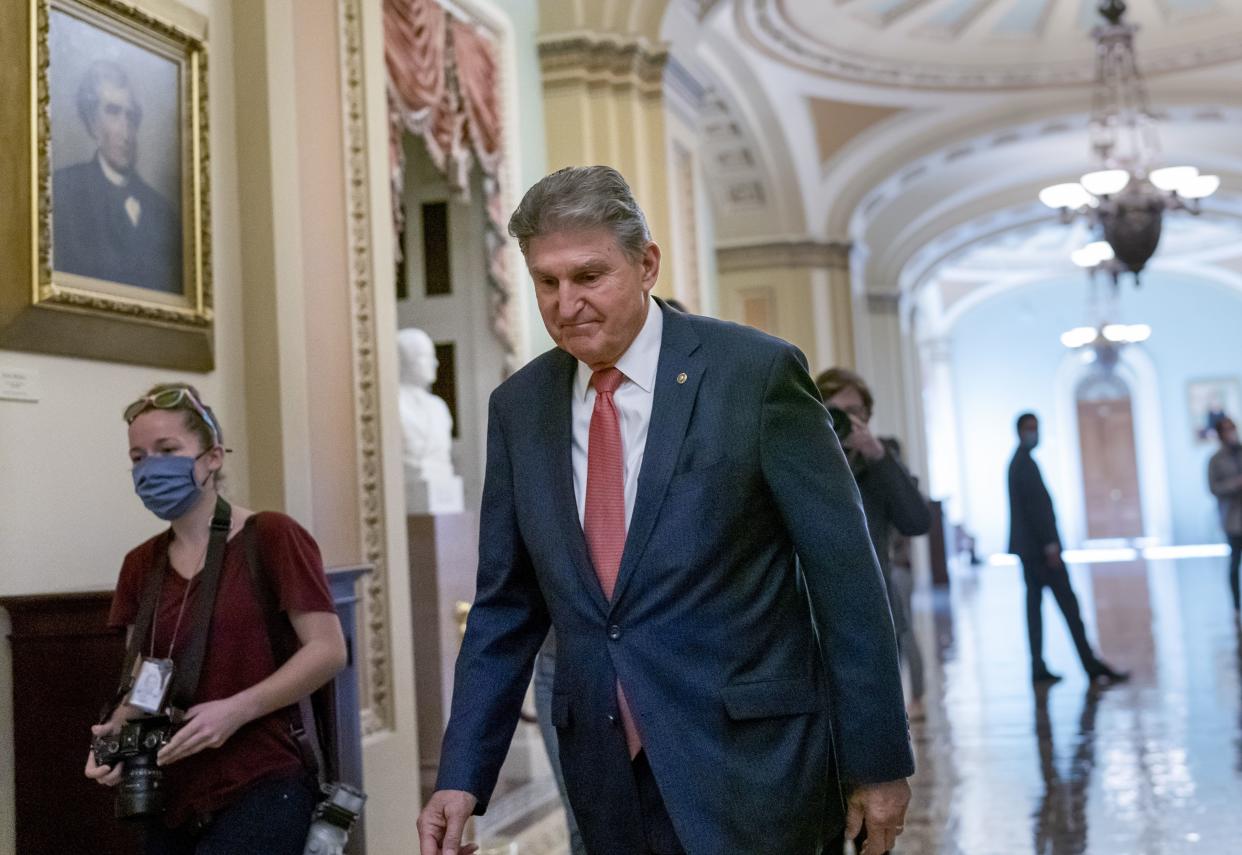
(614, 632)
(613, 720)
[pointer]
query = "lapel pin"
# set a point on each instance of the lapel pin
(681, 378)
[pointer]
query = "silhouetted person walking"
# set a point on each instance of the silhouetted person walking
(1225, 481)
(1034, 539)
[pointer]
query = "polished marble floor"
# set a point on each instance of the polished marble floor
(1151, 767)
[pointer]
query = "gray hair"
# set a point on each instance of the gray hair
(579, 198)
(101, 70)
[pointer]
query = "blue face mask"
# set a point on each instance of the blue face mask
(166, 484)
(1030, 439)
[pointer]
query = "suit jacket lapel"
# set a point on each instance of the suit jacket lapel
(559, 424)
(677, 384)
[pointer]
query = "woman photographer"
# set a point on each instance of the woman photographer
(233, 772)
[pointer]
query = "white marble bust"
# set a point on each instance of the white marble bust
(426, 430)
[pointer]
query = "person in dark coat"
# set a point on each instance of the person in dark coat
(891, 498)
(1034, 539)
(107, 223)
(1225, 482)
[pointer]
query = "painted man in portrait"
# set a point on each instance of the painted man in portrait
(107, 222)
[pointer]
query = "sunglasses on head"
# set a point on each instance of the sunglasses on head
(170, 399)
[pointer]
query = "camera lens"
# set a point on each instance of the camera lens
(141, 792)
(841, 422)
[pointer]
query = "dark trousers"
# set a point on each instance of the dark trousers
(657, 825)
(1039, 574)
(270, 817)
(1235, 558)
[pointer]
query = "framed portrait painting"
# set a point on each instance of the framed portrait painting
(105, 159)
(1210, 401)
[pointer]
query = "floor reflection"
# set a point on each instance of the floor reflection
(1153, 766)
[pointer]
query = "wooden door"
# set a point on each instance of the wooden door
(1109, 467)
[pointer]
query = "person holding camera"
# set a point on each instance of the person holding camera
(890, 497)
(225, 774)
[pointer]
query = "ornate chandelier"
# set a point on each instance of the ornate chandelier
(1125, 199)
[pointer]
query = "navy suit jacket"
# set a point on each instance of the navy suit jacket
(1032, 520)
(749, 624)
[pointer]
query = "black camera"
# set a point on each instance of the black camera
(841, 422)
(141, 792)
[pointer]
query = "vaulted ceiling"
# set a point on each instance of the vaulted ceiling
(979, 44)
(915, 128)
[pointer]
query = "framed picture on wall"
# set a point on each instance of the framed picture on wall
(106, 165)
(1210, 401)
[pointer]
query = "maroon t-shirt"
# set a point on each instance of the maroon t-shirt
(239, 653)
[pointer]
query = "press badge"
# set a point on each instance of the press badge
(152, 679)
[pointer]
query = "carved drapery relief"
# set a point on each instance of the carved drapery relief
(377, 704)
(444, 87)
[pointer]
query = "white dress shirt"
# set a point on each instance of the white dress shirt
(633, 401)
(133, 208)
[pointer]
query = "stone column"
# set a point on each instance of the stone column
(604, 104)
(797, 290)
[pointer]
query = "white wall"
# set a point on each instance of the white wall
(1004, 356)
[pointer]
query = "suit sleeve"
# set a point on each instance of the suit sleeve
(812, 485)
(508, 622)
(904, 504)
(1036, 505)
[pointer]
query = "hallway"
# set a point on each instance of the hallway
(1152, 766)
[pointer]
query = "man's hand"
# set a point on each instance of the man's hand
(881, 809)
(442, 822)
(863, 441)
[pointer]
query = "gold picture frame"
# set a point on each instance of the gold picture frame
(104, 167)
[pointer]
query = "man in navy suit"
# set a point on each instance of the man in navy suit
(666, 491)
(1033, 537)
(107, 222)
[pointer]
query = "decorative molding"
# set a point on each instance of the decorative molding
(833, 255)
(683, 90)
(377, 678)
(884, 302)
(568, 58)
(702, 8)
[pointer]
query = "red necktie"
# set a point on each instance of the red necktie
(604, 519)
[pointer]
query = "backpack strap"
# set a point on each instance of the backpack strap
(317, 752)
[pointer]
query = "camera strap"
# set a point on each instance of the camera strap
(316, 742)
(186, 680)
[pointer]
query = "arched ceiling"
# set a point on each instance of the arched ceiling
(979, 45)
(911, 175)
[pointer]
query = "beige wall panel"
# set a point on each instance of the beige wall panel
(792, 306)
(570, 126)
(561, 15)
(329, 369)
(837, 123)
(646, 17)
